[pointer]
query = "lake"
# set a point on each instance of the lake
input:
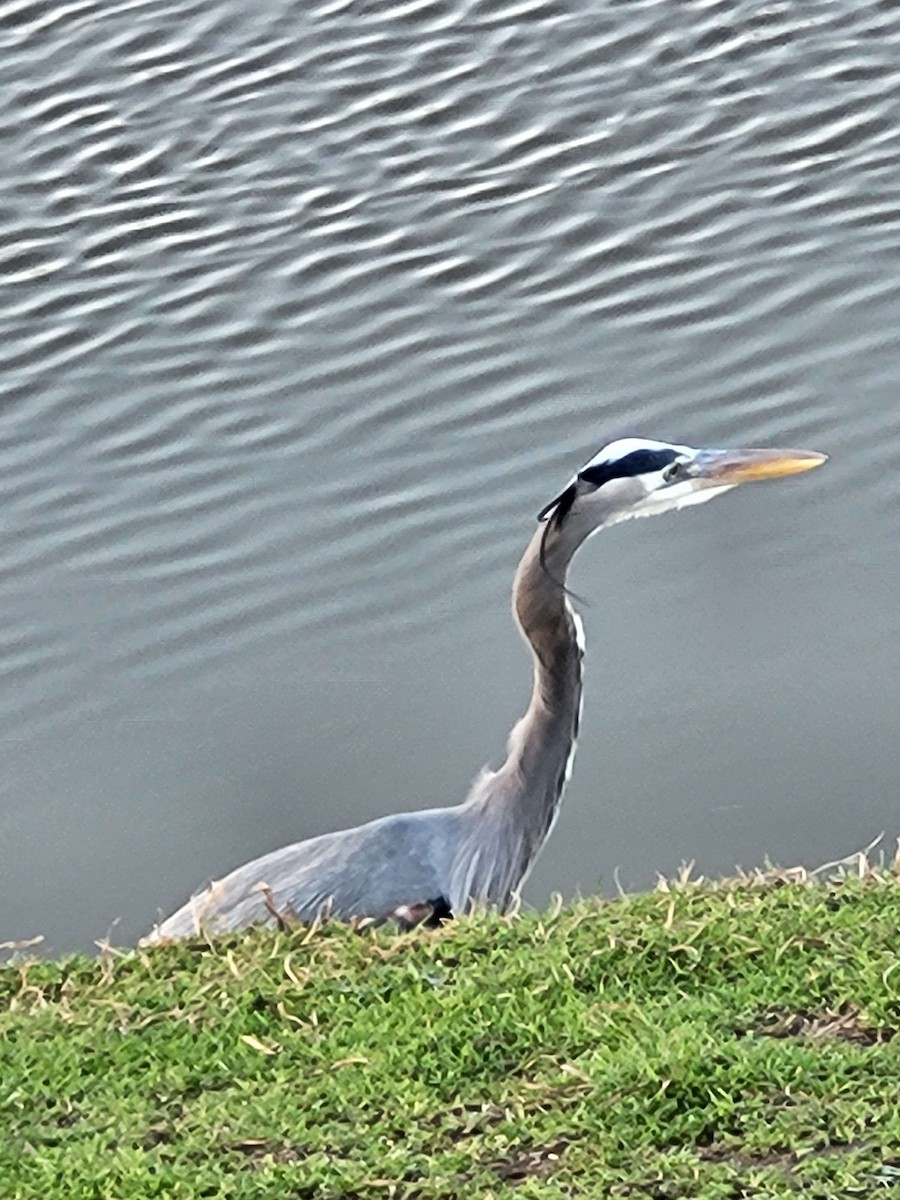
(307, 308)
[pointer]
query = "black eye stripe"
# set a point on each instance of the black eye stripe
(638, 462)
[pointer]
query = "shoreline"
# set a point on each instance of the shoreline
(703, 1040)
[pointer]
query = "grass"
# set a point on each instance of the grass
(714, 1042)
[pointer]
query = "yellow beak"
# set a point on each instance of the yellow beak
(725, 468)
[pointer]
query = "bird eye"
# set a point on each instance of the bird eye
(672, 471)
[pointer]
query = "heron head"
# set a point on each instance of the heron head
(635, 477)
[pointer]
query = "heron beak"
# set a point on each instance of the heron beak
(726, 468)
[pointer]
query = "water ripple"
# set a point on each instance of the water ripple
(307, 307)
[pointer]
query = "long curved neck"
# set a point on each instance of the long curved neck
(541, 745)
(514, 808)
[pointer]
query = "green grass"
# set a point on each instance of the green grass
(714, 1043)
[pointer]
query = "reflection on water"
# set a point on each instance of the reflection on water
(308, 308)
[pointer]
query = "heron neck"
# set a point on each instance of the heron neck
(514, 808)
(545, 618)
(541, 746)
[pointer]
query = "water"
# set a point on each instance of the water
(308, 308)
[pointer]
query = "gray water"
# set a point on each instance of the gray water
(308, 307)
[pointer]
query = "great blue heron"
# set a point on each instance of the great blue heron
(424, 866)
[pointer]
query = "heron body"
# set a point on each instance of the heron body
(426, 865)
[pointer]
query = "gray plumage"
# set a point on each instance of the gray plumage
(410, 866)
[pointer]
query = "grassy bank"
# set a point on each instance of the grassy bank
(713, 1043)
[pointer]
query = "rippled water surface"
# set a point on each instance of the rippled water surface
(306, 310)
